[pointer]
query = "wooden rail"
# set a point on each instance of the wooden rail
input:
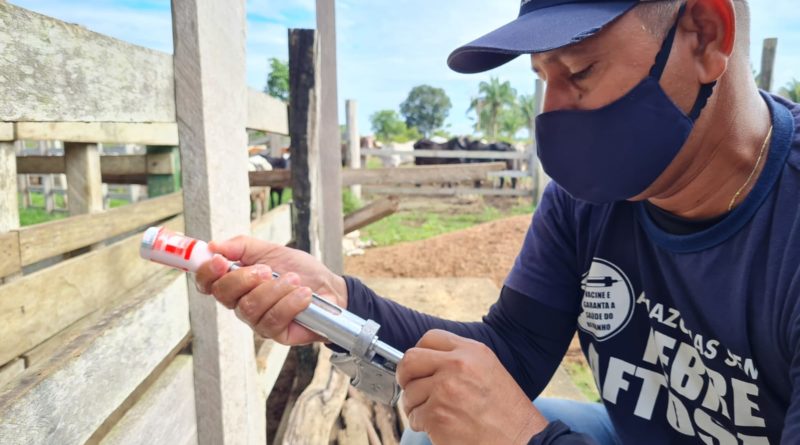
(458, 154)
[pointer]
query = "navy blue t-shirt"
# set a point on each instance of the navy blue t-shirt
(692, 338)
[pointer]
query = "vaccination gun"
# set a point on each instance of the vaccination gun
(369, 362)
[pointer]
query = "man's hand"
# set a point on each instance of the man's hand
(457, 391)
(268, 305)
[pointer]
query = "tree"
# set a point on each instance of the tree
(426, 108)
(278, 79)
(493, 97)
(791, 91)
(388, 127)
(510, 121)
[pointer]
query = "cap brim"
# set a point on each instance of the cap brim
(542, 30)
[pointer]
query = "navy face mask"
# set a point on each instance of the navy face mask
(614, 153)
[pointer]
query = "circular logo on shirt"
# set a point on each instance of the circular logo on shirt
(607, 300)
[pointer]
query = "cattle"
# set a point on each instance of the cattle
(277, 163)
(258, 195)
(466, 144)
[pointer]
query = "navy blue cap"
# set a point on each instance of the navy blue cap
(542, 25)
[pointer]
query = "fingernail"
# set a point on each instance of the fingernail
(293, 278)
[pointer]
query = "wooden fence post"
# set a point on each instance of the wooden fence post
(304, 131)
(9, 210)
(22, 180)
(164, 184)
(540, 177)
(330, 141)
(211, 106)
(84, 184)
(353, 143)
(767, 63)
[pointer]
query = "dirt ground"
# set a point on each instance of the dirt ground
(484, 251)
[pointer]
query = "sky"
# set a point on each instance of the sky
(386, 47)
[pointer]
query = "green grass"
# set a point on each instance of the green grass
(36, 214)
(418, 225)
(582, 378)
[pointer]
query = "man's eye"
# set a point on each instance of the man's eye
(582, 75)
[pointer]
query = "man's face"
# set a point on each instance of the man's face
(601, 69)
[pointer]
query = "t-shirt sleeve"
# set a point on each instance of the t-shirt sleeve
(529, 338)
(546, 268)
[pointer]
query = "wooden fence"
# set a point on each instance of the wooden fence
(98, 345)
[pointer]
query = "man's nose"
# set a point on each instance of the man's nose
(558, 97)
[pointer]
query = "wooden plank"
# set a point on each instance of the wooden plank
(367, 215)
(273, 178)
(270, 357)
(353, 144)
(56, 237)
(59, 72)
(10, 263)
(37, 306)
(211, 103)
(54, 344)
(162, 133)
(10, 371)
(458, 154)
(6, 132)
(509, 174)
(275, 226)
(266, 113)
(317, 408)
(69, 397)
(767, 64)
(421, 174)
(437, 191)
(84, 184)
(330, 145)
(9, 212)
(40, 165)
(304, 132)
(165, 412)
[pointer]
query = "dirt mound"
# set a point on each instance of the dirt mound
(487, 250)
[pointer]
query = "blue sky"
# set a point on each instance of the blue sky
(386, 47)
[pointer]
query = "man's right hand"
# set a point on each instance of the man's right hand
(268, 305)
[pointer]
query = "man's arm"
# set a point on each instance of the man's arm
(528, 337)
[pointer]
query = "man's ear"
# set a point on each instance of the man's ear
(712, 27)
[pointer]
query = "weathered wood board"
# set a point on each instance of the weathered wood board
(266, 113)
(164, 414)
(55, 71)
(10, 259)
(100, 132)
(71, 395)
(39, 305)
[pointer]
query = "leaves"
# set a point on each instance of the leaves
(388, 127)
(426, 108)
(494, 107)
(278, 79)
(791, 91)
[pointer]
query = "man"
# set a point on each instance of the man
(670, 239)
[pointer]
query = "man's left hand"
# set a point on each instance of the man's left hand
(457, 391)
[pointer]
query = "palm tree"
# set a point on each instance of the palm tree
(791, 91)
(527, 106)
(493, 96)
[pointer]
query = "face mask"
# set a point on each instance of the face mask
(614, 153)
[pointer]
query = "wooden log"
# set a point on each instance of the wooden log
(45, 240)
(317, 408)
(386, 423)
(165, 133)
(355, 424)
(304, 131)
(165, 412)
(367, 215)
(211, 104)
(70, 396)
(104, 80)
(10, 263)
(39, 305)
(439, 191)
(366, 414)
(330, 148)
(447, 154)
(265, 113)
